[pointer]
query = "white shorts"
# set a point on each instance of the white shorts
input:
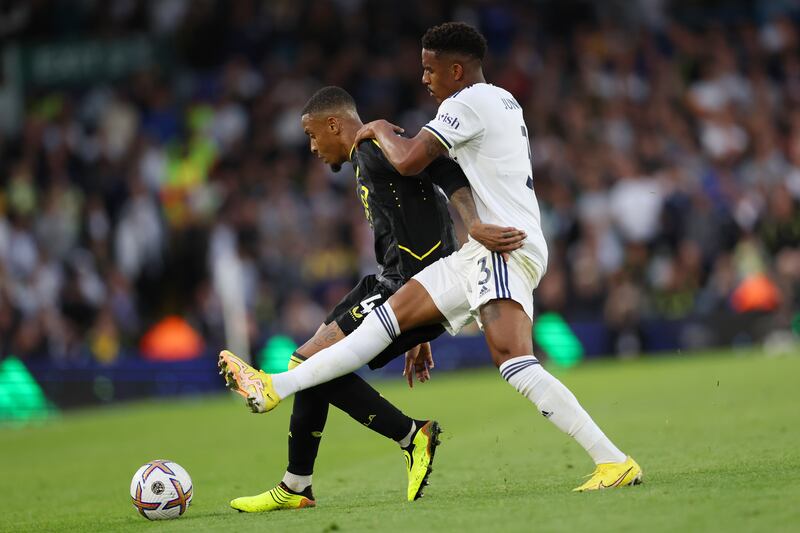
(462, 282)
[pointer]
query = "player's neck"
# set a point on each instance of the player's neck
(349, 130)
(471, 78)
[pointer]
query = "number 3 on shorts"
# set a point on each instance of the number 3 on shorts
(484, 270)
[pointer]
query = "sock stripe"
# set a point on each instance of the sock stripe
(517, 360)
(390, 323)
(518, 370)
(386, 321)
(383, 321)
(510, 370)
(514, 363)
(505, 367)
(512, 367)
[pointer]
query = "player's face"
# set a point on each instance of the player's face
(437, 75)
(323, 140)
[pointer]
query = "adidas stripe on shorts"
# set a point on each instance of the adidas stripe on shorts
(462, 282)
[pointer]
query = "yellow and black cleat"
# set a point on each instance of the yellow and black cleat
(276, 499)
(419, 458)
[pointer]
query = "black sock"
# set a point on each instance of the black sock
(358, 399)
(309, 414)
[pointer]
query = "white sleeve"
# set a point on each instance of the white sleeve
(455, 124)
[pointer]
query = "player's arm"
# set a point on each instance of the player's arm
(407, 156)
(493, 238)
(446, 173)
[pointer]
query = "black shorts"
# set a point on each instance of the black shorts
(368, 294)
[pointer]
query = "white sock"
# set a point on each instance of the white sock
(406, 441)
(295, 482)
(375, 333)
(559, 405)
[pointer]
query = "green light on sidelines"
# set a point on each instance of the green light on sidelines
(21, 398)
(274, 356)
(554, 335)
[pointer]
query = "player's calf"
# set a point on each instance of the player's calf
(507, 328)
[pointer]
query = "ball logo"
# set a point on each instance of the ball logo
(157, 487)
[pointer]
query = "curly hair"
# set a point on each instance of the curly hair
(455, 37)
(329, 99)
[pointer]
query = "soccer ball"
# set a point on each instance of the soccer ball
(161, 490)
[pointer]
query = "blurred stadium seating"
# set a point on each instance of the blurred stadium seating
(144, 145)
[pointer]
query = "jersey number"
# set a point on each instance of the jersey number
(366, 306)
(528, 183)
(363, 193)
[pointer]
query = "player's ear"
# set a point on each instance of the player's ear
(458, 71)
(333, 125)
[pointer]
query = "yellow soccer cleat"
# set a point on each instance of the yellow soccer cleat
(419, 458)
(274, 499)
(611, 475)
(254, 385)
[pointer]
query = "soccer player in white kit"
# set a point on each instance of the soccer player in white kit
(482, 127)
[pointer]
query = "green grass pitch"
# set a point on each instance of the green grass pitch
(717, 436)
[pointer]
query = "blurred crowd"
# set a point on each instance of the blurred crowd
(665, 140)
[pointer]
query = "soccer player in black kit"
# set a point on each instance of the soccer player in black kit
(412, 229)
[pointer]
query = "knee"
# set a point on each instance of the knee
(503, 351)
(413, 306)
(501, 356)
(403, 311)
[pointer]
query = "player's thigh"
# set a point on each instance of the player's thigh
(438, 293)
(507, 328)
(413, 306)
(347, 315)
(327, 335)
(405, 341)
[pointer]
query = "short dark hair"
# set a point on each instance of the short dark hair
(455, 37)
(329, 99)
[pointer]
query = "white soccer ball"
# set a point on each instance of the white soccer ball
(161, 490)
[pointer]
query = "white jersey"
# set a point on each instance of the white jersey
(483, 129)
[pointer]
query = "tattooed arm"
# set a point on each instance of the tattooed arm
(465, 206)
(446, 173)
(494, 238)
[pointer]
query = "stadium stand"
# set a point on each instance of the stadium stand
(144, 141)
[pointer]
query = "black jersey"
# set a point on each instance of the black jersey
(408, 215)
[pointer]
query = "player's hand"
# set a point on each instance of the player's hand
(370, 130)
(419, 361)
(498, 238)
